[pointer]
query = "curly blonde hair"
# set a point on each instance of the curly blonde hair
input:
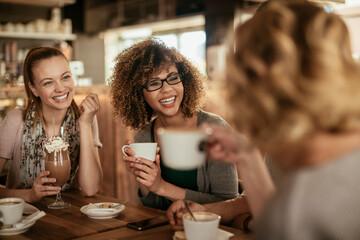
(134, 67)
(292, 74)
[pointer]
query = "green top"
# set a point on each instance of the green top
(184, 179)
(215, 181)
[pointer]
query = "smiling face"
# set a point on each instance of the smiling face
(165, 101)
(53, 83)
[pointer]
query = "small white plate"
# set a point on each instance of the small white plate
(16, 230)
(28, 210)
(93, 210)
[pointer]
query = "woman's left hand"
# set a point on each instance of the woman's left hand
(148, 173)
(227, 146)
(89, 107)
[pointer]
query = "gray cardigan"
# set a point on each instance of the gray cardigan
(216, 181)
(319, 202)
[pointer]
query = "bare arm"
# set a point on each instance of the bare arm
(148, 175)
(2, 163)
(90, 172)
(226, 145)
(229, 210)
(40, 187)
(256, 180)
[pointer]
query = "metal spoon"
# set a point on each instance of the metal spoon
(187, 207)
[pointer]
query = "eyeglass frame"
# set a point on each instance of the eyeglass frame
(162, 81)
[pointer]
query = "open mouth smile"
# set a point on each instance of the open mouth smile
(167, 100)
(61, 97)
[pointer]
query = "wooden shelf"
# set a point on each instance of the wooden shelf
(19, 91)
(41, 36)
(45, 3)
(12, 92)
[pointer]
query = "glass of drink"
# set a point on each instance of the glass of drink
(58, 163)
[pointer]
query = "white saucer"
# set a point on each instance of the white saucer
(16, 230)
(28, 210)
(220, 235)
(98, 213)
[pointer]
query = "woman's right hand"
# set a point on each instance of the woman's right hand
(131, 158)
(42, 188)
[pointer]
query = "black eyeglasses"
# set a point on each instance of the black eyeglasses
(156, 84)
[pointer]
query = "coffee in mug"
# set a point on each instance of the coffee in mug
(205, 226)
(11, 210)
(145, 150)
(183, 149)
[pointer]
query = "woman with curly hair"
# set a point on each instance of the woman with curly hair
(154, 86)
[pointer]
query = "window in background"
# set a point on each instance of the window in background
(171, 40)
(192, 45)
(187, 35)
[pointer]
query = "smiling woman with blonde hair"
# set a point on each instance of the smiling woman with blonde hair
(295, 92)
(294, 89)
(50, 105)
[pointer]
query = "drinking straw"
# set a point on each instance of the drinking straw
(53, 126)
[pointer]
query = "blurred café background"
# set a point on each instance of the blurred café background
(92, 32)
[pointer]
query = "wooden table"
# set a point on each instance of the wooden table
(70, 223)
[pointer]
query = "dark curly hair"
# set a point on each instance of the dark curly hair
(134, 67)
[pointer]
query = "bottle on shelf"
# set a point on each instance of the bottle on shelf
(11, 65)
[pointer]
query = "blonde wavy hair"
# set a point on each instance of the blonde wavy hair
(134, 67)
(292, 74)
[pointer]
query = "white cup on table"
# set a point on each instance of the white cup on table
(205, 226)
(11, 210)
(144, 150)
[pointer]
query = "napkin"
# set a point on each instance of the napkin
(220, 235)
(31, 218)
(223, 235)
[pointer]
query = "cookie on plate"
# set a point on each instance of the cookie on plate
(179, 235)
(105, 205)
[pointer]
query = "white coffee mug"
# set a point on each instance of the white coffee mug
(205, 226)
(11, 210)
(182, 149)
(144, 150)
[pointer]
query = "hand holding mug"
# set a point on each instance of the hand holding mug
(142, 160)
(146, 150)
(148, 173)
(227, 146)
